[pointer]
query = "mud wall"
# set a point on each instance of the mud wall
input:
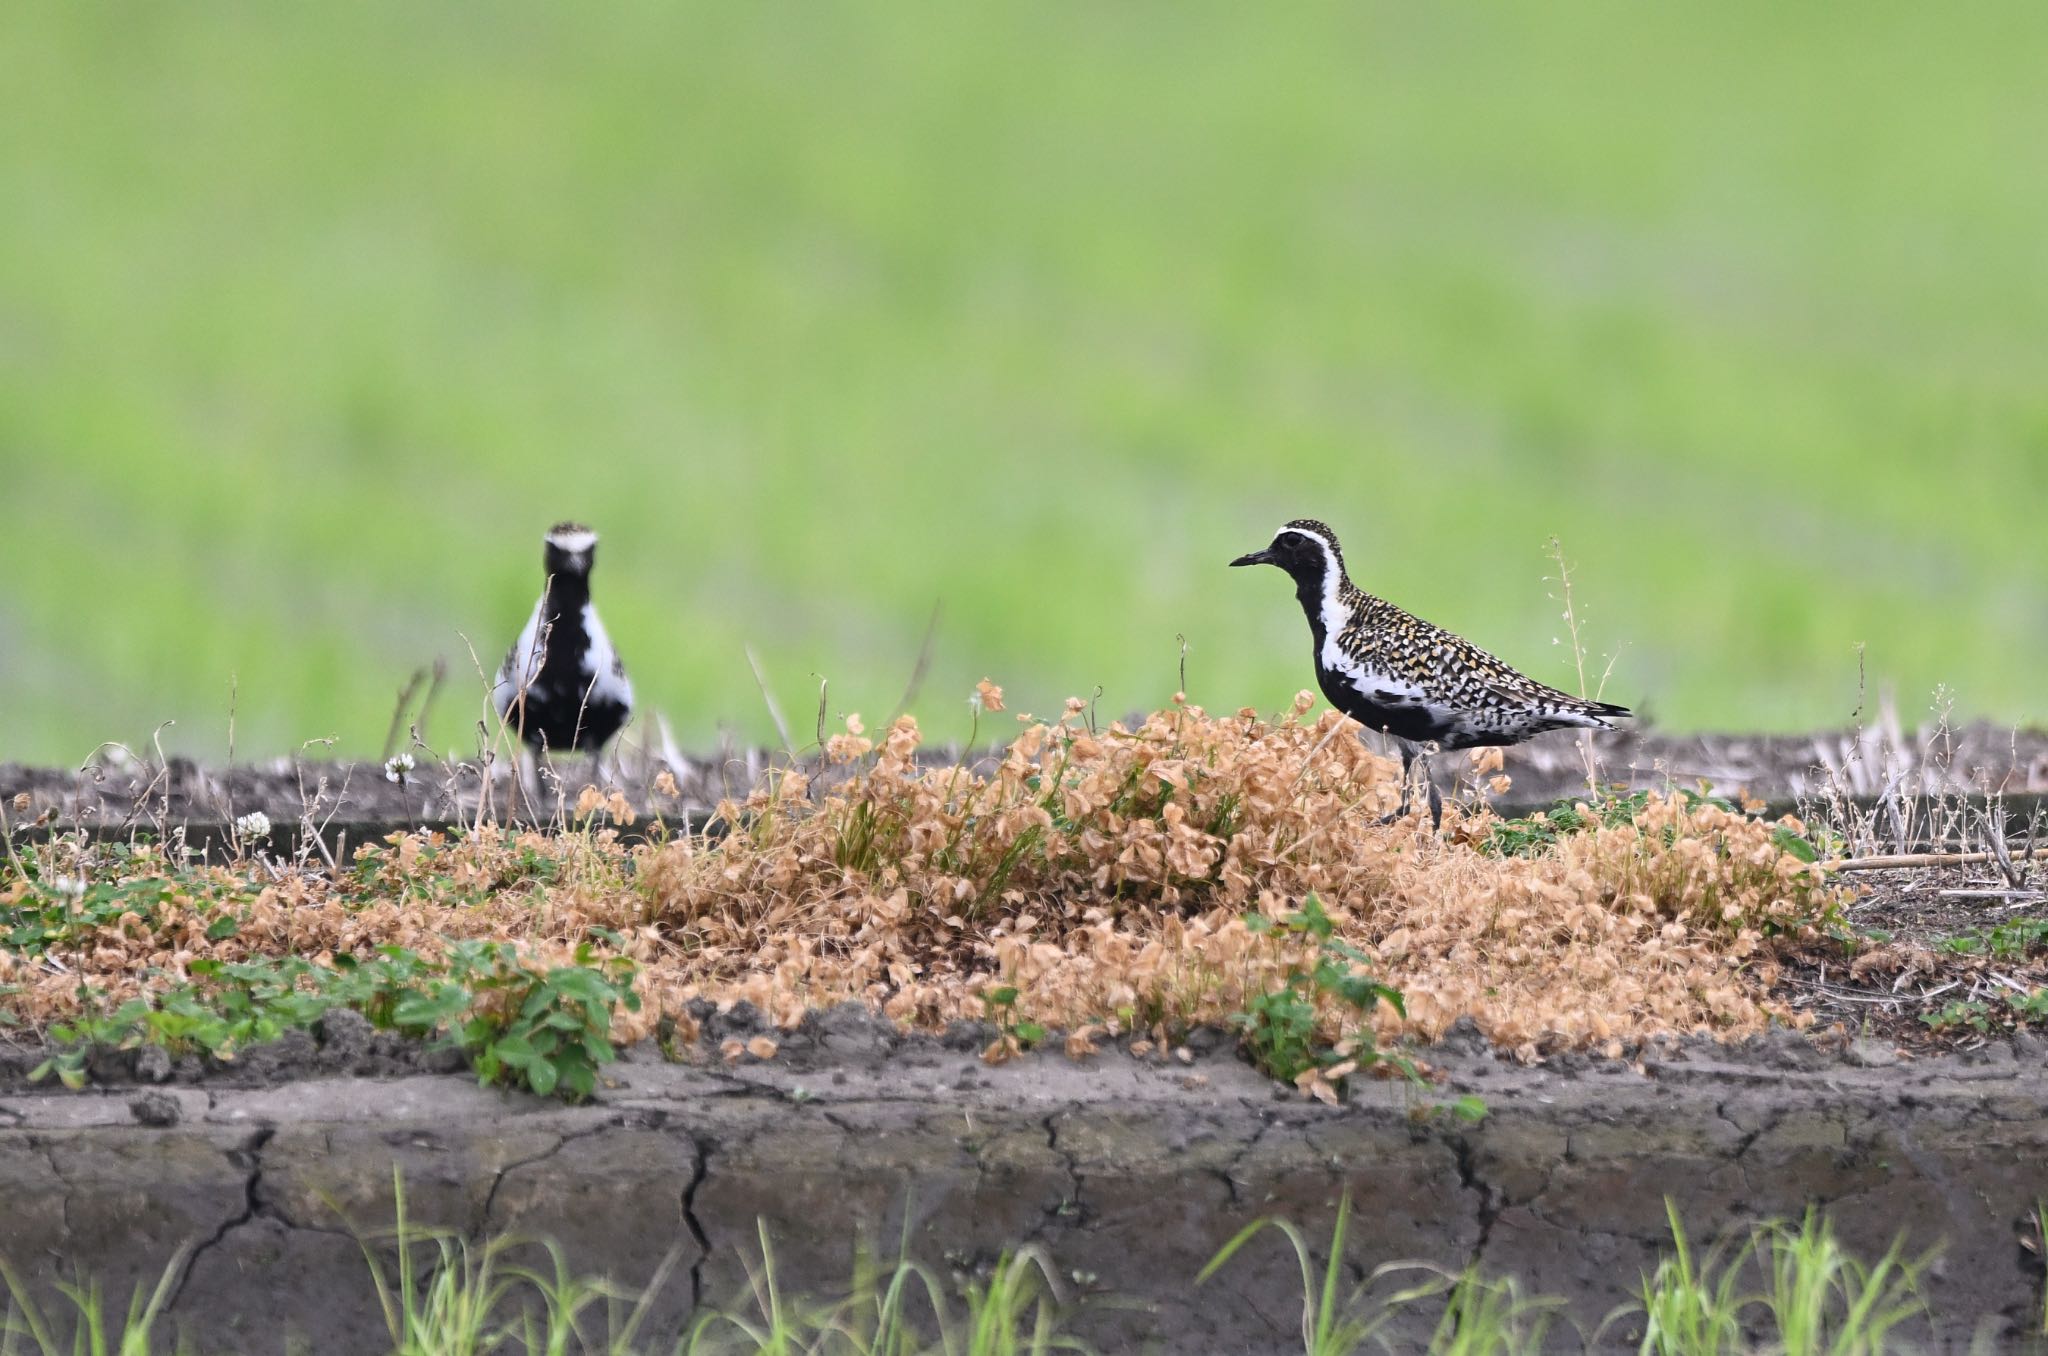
(1131, 1172)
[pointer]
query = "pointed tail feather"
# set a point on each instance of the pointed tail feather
(1601, 715)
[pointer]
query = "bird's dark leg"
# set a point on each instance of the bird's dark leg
(1407, 783)
(1410, 756)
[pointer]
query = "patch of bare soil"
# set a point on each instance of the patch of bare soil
(1928, 958)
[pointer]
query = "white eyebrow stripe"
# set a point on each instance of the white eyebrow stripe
(573, 541)
(1329, 552)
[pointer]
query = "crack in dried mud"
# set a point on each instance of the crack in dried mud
(251, 1207)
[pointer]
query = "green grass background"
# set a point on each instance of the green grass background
(312, 317)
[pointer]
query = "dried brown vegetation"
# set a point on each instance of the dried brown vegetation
(1105, 874)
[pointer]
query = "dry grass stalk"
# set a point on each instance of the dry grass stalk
(1913, 859)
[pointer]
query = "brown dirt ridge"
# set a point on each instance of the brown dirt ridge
(1115, 880)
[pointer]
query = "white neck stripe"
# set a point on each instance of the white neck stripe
(1335, 614)
(1332, 612)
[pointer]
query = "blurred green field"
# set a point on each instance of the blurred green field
(312, 318)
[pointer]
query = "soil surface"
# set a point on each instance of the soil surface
(1129, 1170)
(1930, 958)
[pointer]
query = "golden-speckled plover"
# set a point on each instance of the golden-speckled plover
(1409, 678)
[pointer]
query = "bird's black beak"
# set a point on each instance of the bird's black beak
(1264, 557)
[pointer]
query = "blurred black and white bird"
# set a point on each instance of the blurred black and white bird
(562, 686)
(1406, 677)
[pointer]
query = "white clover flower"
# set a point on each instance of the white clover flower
(71, 887)
(254, 826)
(396, 766)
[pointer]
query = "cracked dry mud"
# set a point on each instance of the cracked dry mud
(1131, 1172)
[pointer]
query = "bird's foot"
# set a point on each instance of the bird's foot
(1436, 811)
